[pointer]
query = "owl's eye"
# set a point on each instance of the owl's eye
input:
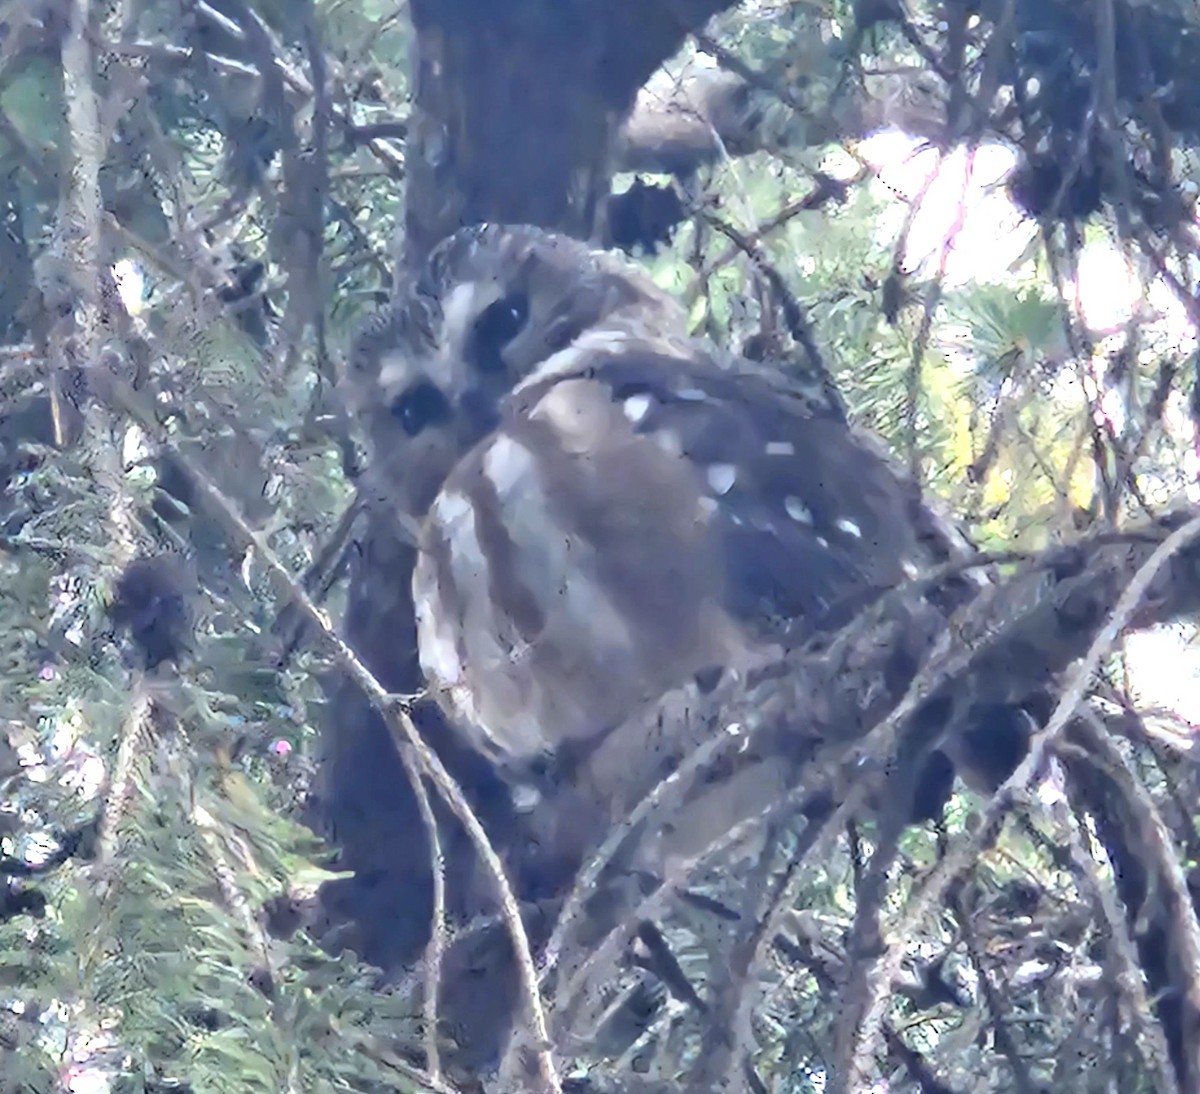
(420, 406)
(497, 325)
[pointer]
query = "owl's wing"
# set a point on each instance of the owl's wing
(635, 519)
(808, 516)
(567, 575)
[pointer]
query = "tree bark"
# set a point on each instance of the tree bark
(518, 105)
(517, 118)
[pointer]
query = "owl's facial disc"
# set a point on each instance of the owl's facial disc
(493, 309)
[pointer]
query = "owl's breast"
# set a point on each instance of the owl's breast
(633, 523)
(567, 576)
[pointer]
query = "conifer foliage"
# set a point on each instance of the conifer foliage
(224, 866)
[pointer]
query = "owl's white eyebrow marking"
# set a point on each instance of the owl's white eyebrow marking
(505, 462)
(780, 448)
(910, 568)
(394, 369)
(850, 528)
(636, 407)
(721, 477)
(797, 510)
(458, 308)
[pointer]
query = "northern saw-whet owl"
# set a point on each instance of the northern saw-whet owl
(608, 507)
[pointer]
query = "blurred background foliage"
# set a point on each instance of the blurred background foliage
(156, 859)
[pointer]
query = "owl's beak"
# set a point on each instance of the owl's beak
(478, 413)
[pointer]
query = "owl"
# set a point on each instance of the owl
(606, 507)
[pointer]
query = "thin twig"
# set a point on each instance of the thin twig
(418, 758)
(122, 785)
(664, 794)
(436, 946)
(1132, 1000)
(798, 325)
(1175, 899)
(924, 332)
(960, 859)
(77, 245)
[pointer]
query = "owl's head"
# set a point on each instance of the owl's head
(492, 306)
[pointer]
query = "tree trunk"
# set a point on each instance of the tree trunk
(516, 109)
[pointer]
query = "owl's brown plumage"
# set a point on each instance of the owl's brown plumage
(607, 506)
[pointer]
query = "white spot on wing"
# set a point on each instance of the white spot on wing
(669, 441)
(636, 407)
(780, 448)
(721, 477)
(455, 515)
(850, 528)
(910, 568)
(525, 798)
(797, 510)
(691, 395)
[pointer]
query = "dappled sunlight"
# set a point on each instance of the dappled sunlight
(963, 200)
(1164, 670)
(962, 203)
(435, 659)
